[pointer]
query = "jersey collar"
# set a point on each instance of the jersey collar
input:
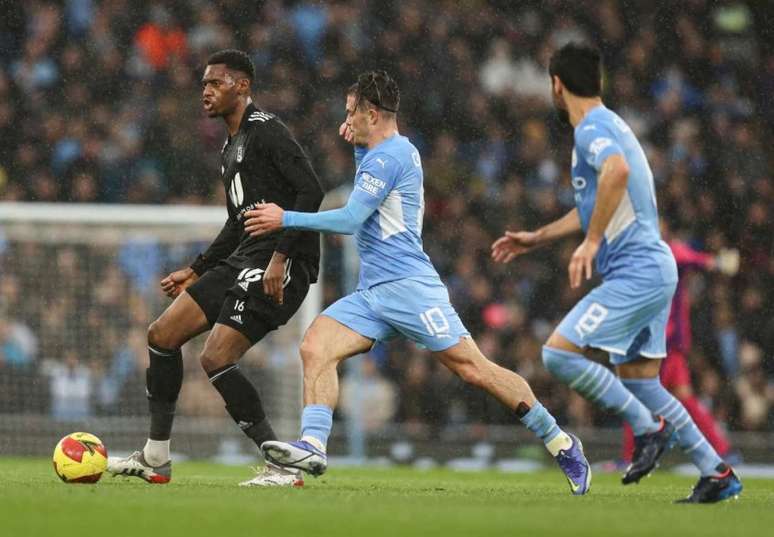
(249, 109)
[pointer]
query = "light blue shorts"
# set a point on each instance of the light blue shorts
(417, 308)
(627, 318)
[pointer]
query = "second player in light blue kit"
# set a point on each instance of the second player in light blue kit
(615, 205)
(399, 292)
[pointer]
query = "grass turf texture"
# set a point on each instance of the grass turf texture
(203, 499)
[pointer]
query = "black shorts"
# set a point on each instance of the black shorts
(235, 297)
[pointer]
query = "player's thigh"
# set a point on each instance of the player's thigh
(347, 327)
(225, 345)
(328, 340)
(420, 309)
(209, 291)
(248, 310)
(180, 322)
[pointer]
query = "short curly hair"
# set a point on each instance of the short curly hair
(236, 60)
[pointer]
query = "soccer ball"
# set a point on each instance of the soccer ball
(80, 458)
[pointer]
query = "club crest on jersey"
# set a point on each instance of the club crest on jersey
(240, 153)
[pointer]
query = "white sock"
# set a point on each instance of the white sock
(562, 441)
(156, 452)
(315, 442)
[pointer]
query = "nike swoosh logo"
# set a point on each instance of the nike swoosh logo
(574, 486)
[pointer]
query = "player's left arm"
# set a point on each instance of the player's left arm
(294, 166)
(606, 156)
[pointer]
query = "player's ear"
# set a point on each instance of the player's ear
(244, 86)
(557, 85)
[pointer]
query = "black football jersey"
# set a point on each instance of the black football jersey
(263, 163)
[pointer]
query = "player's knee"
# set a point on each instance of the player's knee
(157, 336)
(210, 361)
(311, 353)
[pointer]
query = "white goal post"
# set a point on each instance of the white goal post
(78, 288)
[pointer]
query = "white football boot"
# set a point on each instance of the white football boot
(272, 475)
(135, 466)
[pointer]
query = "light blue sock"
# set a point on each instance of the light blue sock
(600, 386)
(541, 422)
(662, 403)
(317, 422)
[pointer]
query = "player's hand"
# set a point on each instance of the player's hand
(513, 244)
(346, 133)
(176, 282)
(274, 277)
(265, 218)
(727, 261)
(581, 262)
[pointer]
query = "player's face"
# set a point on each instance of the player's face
(358, 121)
(560, 106)
(219, 91)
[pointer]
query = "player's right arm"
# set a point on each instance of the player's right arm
(516, 243)
(374, 180)
(225, 243)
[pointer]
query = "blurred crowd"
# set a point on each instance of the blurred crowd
(100, 102)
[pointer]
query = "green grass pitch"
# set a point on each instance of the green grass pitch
(203, 499)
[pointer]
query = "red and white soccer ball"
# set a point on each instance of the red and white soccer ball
(80, 458)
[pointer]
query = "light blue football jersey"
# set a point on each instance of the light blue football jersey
(632, 245)
(390, 180)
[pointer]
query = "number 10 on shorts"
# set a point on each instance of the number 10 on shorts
(591, 320)
(435, 322)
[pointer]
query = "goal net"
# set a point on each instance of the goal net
(79, 285)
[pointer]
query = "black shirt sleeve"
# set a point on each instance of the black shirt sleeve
(294, 165)
(223, 245)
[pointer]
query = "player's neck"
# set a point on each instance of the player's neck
(580, 106)
(380, 135)
(234, 119)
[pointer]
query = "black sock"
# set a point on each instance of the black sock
(163, 380)
(242, 402)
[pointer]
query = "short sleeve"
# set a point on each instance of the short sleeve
(597, 143)
(375, 179)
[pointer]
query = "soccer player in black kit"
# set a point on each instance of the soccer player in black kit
(242, 287)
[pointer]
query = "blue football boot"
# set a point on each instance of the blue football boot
(300, 455)
(573, 463)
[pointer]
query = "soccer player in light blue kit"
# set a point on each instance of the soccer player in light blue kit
(626, 315)
(399, 292)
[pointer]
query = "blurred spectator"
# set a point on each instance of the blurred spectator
(370, 396)
(99, 102)
(18, 345)
(71, 388)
